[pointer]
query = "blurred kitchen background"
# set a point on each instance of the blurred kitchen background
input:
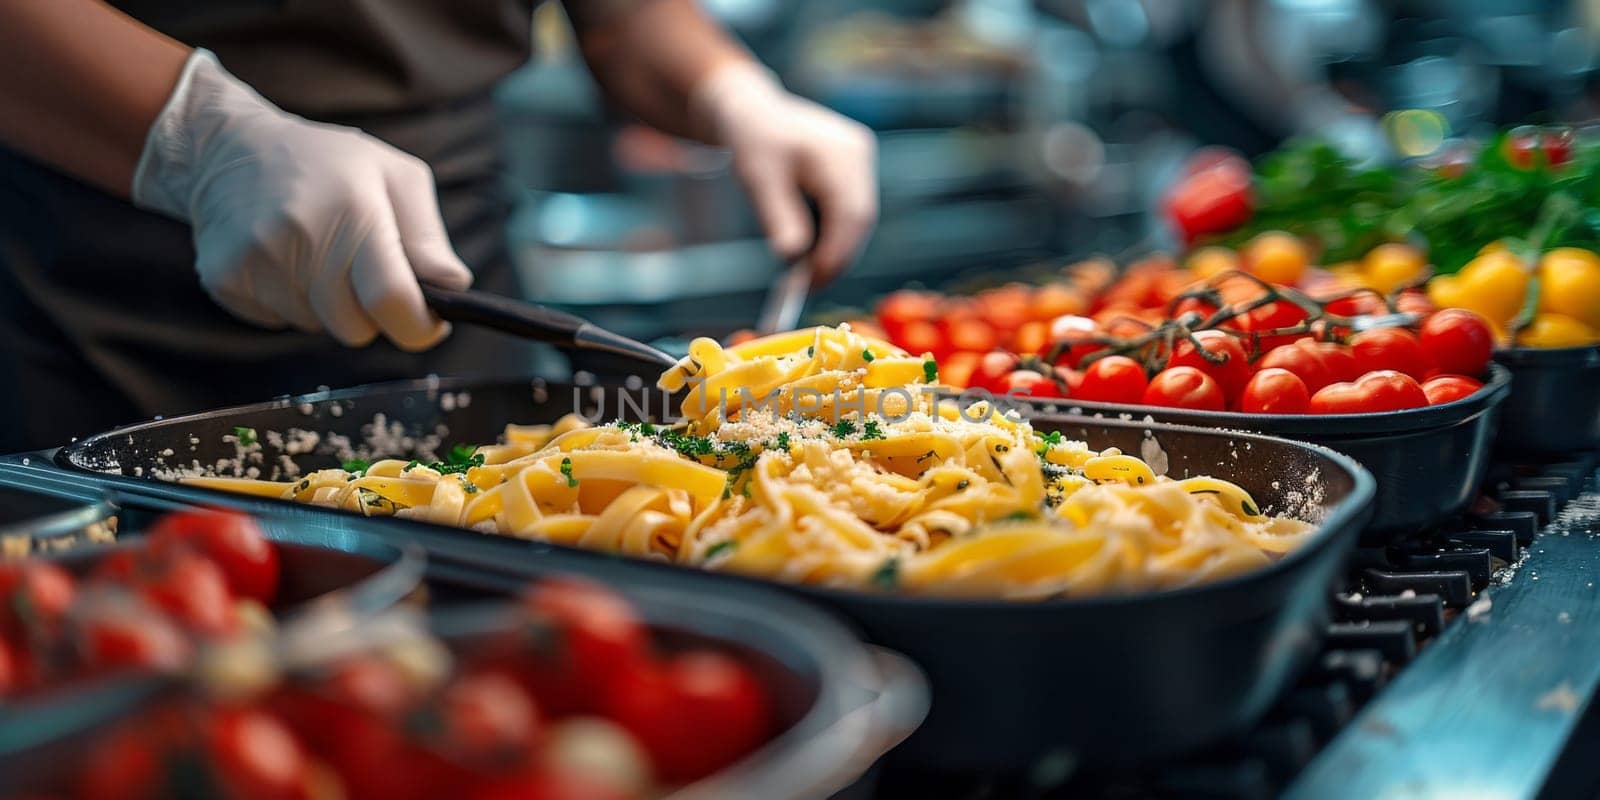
(1011, 132)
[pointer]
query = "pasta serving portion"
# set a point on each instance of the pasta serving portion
(822, 456)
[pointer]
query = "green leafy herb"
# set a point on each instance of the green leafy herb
(566, 470)
(867, 356)
(930, 371)
(783, 440)
(246, 436)
(411, 465)
(887, 576)
(870, 430)
(719, 548)
(1018, 516)
(844, 428)
(356, 465)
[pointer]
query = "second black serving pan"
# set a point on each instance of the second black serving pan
(1429, 462)
(1116, 678)
(1554, 402)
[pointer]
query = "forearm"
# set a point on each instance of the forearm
(650, 55)
(80, 84)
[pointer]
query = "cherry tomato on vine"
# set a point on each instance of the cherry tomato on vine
(1529, 146)
(487, 719)
(1381, 390)
(372, 684)
(121, 636)
(1054, 300)
(1458, 341)
(34, 595)
(956, 369)
(1441, 389)
(1076, 331)
(1391, 349)
(1184, 387)
(1033, 338)
(255, 756)
(993, 370)
(1034, 384)
(1113, 379)
(1414, 301)
(1313, 365)
(12, 668)
(920, 336)
(900, 309)
(1275, 391)
(1234, 371)
(547, 784)
(1273, 316)
(966, 333)
(233, 540)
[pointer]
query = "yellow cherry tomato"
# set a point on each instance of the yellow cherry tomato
(1569, 283)
(1390, 266)
(1496, 246)
(1445, 292)
(1209, 261)
(1494, 284)
(1556, 330)
(1344, 268)
(1276, 257)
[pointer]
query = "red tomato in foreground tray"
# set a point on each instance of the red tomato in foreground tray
(1457, 341)
(1214, 198)
(129, 763)
(1442, 389)
(1184, 387)
(1391, 349)
(372, 684)
(232, 540)
(694, 714)
(1383, 390)
(256, 757)
(598, 638)
(1275, 391)
(119, 635)
(1034, 384)
(1276, 315)
(993, 370)
(12, 668)
(34, 595)
(1113, 379)
(547, 785)
(1316, 364)
(488, 719)
(1234, 371)
(194, 591)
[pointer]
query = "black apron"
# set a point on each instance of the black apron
(102, 318)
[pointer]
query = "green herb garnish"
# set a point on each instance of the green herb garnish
(246, 436)
(783, 440)
(869, 430)
(843, 428)
(566, 470)
(867, 356)
(356, 465)
(888, 575)
(930, 371)
(719, 548)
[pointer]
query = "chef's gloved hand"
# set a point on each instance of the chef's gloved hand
(786, 148)
(297, 223)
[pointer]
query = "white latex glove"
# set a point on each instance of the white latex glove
(297, 223)
(786, 148)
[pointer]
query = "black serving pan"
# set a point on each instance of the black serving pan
(1109, 678)
(1429, 462)
(1555, 401)
(32, 522)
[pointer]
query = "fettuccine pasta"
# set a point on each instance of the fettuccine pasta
(822, 456)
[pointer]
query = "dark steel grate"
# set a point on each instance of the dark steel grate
(1398, 599)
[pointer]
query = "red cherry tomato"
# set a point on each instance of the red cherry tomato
(126, 764)
(1382, 390)
(1184, 387)
(971, 334)
(11, 668)
(194, 590)
(920, 336)
(695, 714)
(232, 540)
(488, 719)
(1356, 305)
(34, 595)
(1275, 391)
(1457, 341)
(1076, 332)
(372, 684)
(1340, 361)
(1194, 305)
(956, 369)
(1307, 361)
(547, 785)
(1441, 389)
(1211, 199)
(121, 636)
(1113, 379)
(1033, 384)
(1005, 308)
(1529, 146)
(1054, 300)
(1234, 371)
(598, 638)
(256, 757)
(993, 370)
(904, 307)
(1390, 349)
(1414, 301)
(1033, 338)
(1276, 315)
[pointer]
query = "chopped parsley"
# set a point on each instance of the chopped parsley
(719, 548)
(844, 428)
(246, 436)
(930, 371)
(783, 440)
(411, 465)
(867, 356)
(356, 465)
(869, 430)
(566, 470)
(888, 575)
(1017, 516)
